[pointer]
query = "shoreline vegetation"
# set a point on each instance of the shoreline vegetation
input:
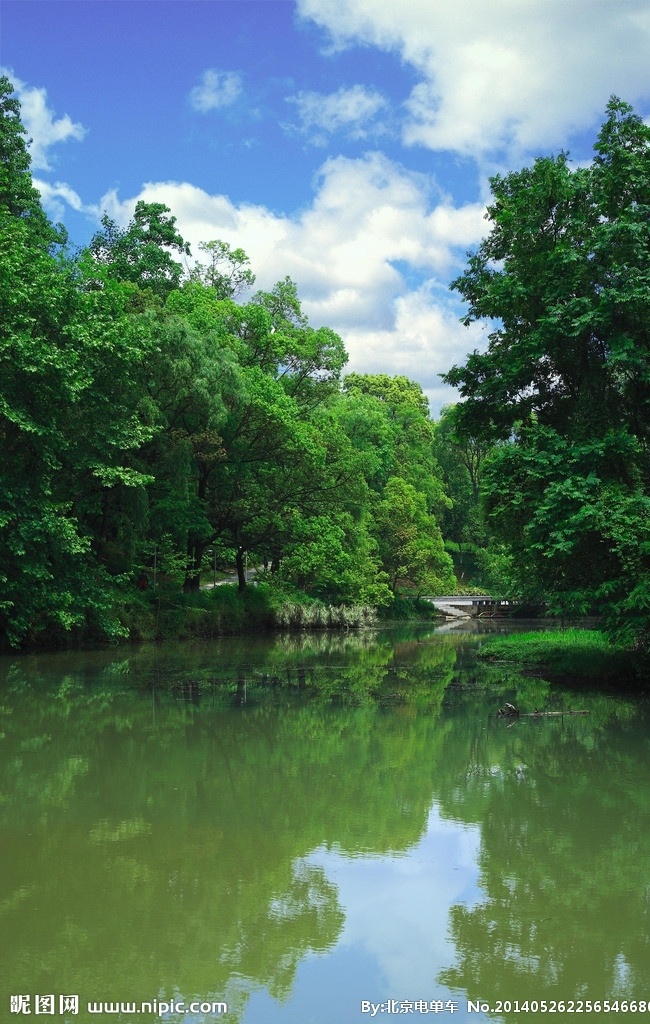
(573, 654)
(171, 615)
(576, 655)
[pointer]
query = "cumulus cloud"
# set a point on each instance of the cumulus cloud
(43, 127)
(353, 110)
(371, 256)
(425, 340)
(217, 89)
(500, 75)
(55, 198)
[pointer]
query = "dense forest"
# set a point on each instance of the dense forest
(162, 423)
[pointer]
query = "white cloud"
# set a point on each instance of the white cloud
(56, 197)
(425, 340)
(353, 110)
(371, 256)
(41, 124)
(218, 89)
(501, 75)
(383, 899)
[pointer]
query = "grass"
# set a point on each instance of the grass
(568, 653)
(225, 611)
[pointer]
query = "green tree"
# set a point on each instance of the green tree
(334, 558)
(140, 252)
(461, 459)
(387, 420)
(18, 197)
(408, 452)
(410, 542)
(189, 379)
(226, 271)
(564, 386)
(58, 430)
(277, 465)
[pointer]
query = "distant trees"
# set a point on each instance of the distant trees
(154, 413)
(388, 418)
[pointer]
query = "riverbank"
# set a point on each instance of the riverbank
(228, 611)
(568, 655)
(164, 614)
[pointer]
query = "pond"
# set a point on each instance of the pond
(321, 829)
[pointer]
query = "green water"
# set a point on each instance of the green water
(298, 828)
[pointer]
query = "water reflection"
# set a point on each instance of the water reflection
(565, 853)
(296, 826)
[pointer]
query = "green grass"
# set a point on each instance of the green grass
(226, 611)
(574, 653)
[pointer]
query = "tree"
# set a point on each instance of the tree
(333, 557)
(18, 197)
(408, 435)
(227, 270)
(461, 458)
(276, 462)
(410, 542)
(564, 386)
(58, 429)
(140, 252)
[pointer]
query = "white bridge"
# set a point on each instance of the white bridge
(470, 606)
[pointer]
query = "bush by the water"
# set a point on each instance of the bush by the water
(292, 615)
(225, 611)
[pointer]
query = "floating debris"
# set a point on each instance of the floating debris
(510, 711)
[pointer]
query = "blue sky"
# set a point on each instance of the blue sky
(346, 143)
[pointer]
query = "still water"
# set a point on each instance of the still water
(316, 830)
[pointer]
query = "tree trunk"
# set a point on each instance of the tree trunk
(195, 548)
(192, 579)
(241, 568)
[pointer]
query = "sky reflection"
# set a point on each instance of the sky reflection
(395, 938)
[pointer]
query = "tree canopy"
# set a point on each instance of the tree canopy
(563, 390)
(157, 414)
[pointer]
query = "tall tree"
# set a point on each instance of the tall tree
(409, 452)
(140, 253)
(564, 275)
(18, 197)
(274, 458)
(49, 579)
(410, 542)
(461, 458)
(227, 270)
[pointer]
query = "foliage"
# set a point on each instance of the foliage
(153, 418)
(19, 200)
(461, 458)
(405, 432)
(227, 270)
(410, 542)
(51, 584)
(563, 391)
(140, 253)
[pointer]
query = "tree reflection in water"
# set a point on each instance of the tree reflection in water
(161, 811)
